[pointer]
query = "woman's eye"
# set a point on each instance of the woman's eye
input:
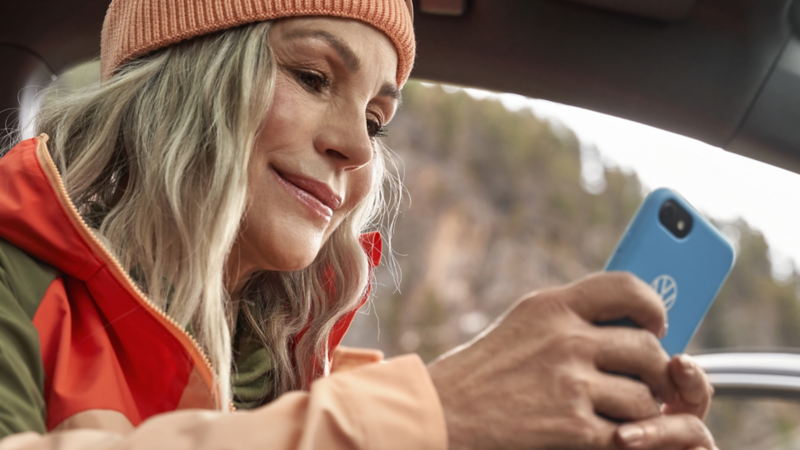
(312, 80)
(375, 129)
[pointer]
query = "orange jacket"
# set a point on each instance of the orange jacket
(115, 363)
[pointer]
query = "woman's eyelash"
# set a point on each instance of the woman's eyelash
(319, 82)
(375, 129)
(313, 80)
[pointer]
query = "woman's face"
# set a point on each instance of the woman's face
(313, 160)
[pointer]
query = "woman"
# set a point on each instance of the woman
(209, 198)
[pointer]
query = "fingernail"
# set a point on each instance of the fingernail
(687, 364)
(663, 331)
(631, 435)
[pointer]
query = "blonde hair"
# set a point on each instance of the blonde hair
(156, 159)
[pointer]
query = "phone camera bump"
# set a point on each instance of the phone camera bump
(675, 219)
(667, 210)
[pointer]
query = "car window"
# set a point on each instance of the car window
(80, 75)
(508, 195)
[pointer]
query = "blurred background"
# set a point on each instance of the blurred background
(504, 198)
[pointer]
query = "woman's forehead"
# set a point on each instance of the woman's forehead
(358, 45)
(358, 35)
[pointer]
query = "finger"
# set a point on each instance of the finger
(694, 389)
(665, 432)
(636, 352)
(605, 436)
(615, 295)
(623, 399)
(595, 432)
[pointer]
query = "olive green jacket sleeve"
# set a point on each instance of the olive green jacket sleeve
(23, 282)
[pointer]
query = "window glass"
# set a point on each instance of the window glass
(509, 195)
(78, 76)
(81, 75)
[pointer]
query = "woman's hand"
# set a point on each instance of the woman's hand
(681, 427)
(673, 432)
(541, 376)
(694, 390)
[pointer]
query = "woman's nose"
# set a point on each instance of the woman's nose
(345, 141)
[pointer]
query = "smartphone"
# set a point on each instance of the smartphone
(674, 249)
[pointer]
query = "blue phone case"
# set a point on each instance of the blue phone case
(688, 272)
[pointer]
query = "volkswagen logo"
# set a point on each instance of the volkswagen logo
(667, 288)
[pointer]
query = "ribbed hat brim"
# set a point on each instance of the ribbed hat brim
(133, 28)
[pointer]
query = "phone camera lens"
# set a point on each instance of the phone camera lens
(667, 211)
(675, 218)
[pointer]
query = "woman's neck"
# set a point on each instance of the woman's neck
(237, 273)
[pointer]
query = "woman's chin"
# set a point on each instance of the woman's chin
(292, 261)
(290, 246)
(294, 266)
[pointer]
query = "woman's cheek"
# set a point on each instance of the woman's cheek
(361, 183)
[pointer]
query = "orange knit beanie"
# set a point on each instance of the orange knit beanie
(133, 28)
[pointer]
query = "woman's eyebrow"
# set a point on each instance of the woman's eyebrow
(351, 60)
(391, 91)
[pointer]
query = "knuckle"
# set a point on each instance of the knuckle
(589, 433)
(591, 278)
(647, 340)
(645, 344)
(574, 389)
(628, 282)
(576, 343)
(591, 437)
(550, 308)
(696, 427)
(545, 302)
(588, 284)
(580, 386)
(527, 304)
(643, 401)
(638, 288)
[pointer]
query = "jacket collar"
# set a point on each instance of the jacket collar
(37, 215)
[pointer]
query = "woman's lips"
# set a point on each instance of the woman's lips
(316, 195)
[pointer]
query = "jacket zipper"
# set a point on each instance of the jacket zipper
(109, 257)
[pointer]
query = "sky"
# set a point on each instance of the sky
(720, 184)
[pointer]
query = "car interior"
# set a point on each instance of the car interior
(725, 72)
